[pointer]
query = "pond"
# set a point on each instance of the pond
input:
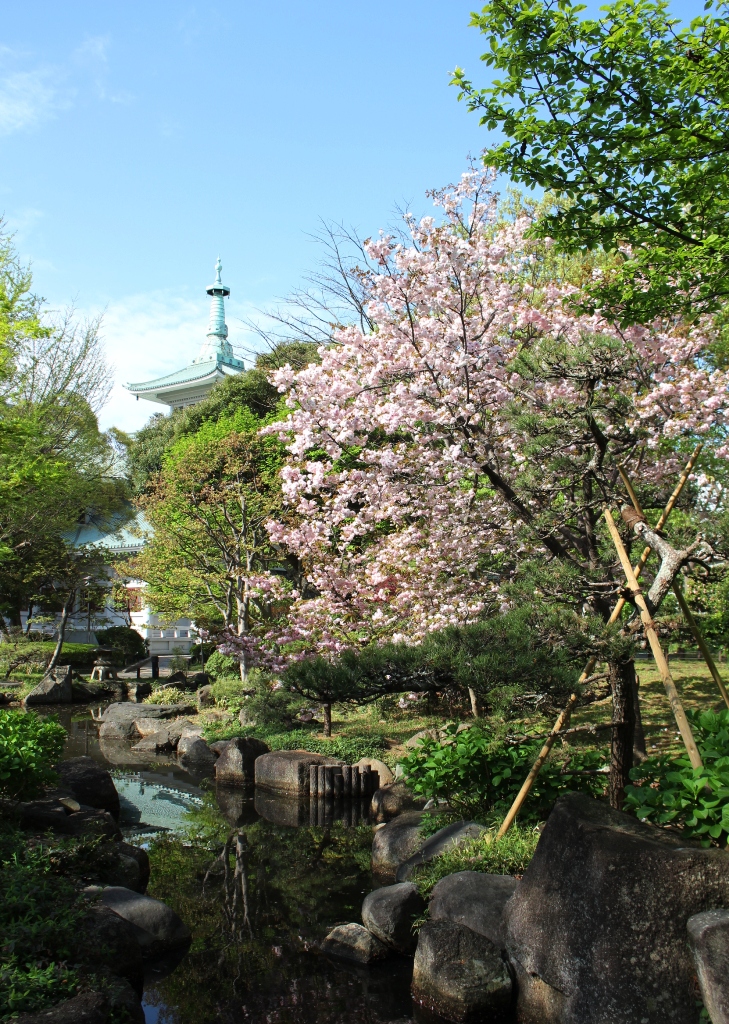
(254, 956)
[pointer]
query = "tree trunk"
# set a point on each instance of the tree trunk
(622, 683)
(327, 719)
(474, 701)
(639, 749)
(61, 631)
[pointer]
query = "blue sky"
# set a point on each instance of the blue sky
(139, 140)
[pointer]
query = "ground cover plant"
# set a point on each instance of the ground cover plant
(29, 746)
(669, 791)
(39, 915)
(479, 776)
(507, 855)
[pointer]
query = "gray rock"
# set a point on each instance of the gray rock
(205, 697)
(83, 693)
(123, 865)
(424, 734)
(394, 799)
(389, 914)
(198, 679)
(155, 741)
(384, 773)
(460, 975)
(709, 938)
(444, 839)
(193, 750)
(90, 783)
(236, 764)
(287, 771)
(596, 929)
(118, 720)
(218, 746)
(54, 688)
(85, 1008)
(157, 928)
(105, 941)
(353, 942)
(178, 679)
(473, 899)
(394, 843)
(50, 813)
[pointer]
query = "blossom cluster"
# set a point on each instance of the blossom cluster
(412, 464)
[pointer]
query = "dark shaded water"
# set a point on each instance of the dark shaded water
(302, 879)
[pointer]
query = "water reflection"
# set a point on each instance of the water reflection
(292, 871)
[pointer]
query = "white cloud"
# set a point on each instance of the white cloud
(27, 98)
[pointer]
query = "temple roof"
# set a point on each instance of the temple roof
(123, 532)
(193, 372)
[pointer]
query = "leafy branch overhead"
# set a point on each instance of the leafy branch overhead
(624, 120)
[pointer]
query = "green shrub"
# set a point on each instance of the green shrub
(37, 654)
(220, 665)
(39, 914)
(670, 792)
(168, 695)
(508, 855)
(480, 777)
(29, 745)
(127, 645)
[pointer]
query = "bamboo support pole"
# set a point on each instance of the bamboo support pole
(564, 718)
(683, 604)
(655, 645)
(694, 627)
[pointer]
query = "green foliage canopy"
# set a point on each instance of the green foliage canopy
(625, 119)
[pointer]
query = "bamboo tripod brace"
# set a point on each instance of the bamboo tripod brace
(564, 718)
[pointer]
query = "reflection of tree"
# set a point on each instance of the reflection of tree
(258, 911)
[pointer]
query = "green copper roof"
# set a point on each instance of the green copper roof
(124, 531)
(193, 372)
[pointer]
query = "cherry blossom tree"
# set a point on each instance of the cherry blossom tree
(476, 428)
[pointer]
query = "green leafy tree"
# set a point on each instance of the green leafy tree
(252, 390)
(210, 556)
(624, 118)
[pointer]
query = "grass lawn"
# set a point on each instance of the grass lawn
(695, 686)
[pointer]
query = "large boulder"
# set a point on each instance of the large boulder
(67, 817)
(90, 783)
(154, 743)
(389, 913)
(394, 843)
(192, 750)
(460, 975)
(287, 771)
(85, 1008)
(123, 864)
(384, 773)
(157, 928)
(444, 839)
(394, 799)
(353, 942)
(54, 688)
(709, 937)
(118, 720)
(105, 941)
(473, 899)
(236, 764)
(596, 930)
